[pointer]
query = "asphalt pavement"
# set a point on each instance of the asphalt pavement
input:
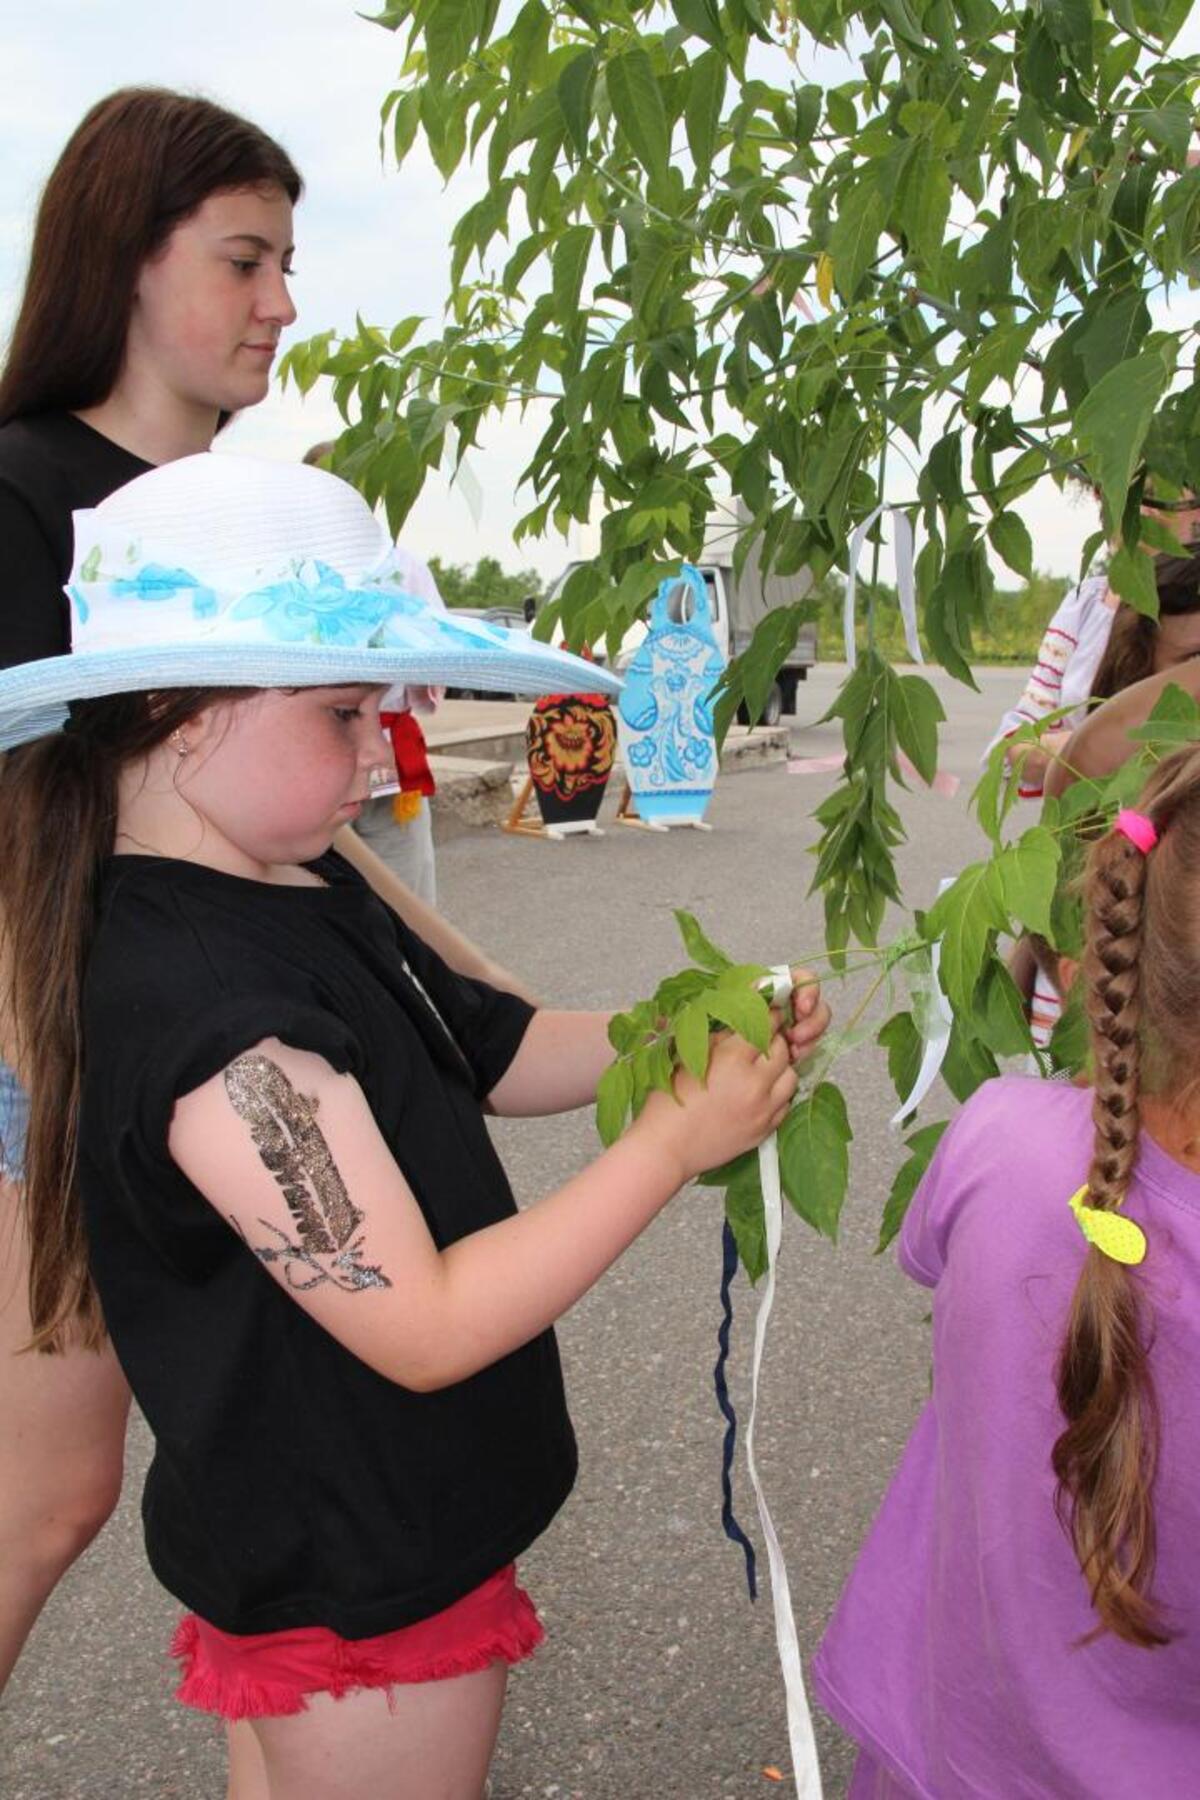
(659, 1679)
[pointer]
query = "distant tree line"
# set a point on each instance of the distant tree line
(1016, 619)
(487, 584)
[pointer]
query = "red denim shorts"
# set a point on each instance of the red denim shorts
(270, 1675)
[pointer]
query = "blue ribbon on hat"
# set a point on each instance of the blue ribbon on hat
(733, 1531)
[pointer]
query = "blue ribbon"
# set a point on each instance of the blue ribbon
(733, 1531)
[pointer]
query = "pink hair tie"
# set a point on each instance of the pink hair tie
(1137, 828)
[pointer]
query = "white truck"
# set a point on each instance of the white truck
(738, 603)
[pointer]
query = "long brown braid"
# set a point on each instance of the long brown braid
(1143, 1001)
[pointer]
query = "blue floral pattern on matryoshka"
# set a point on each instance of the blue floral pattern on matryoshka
(317, 606)
(156, 582)
(666, 708)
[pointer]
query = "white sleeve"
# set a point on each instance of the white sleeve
(1043, 690)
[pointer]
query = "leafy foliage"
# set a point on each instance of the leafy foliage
(1029, 884)
(713, 274)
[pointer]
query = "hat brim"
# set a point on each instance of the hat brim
(34, 696)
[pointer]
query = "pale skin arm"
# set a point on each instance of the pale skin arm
(426, 1318)
(1102, 744)
(428, 924)
(1035, 759)
(564, 1054)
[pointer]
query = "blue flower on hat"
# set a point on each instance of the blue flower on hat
(317, 606)
(155, 581)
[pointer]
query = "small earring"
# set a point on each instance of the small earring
(179, 743)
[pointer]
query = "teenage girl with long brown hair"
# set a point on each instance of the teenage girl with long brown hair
(156, 294)
(1025, 1615)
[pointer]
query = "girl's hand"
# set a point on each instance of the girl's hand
(745, 1097)
(810, 1016)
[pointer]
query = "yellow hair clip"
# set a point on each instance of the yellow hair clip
(1113, 1234)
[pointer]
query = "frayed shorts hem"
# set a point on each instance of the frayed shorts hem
(273, 1674)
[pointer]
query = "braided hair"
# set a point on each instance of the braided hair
(1143, 999)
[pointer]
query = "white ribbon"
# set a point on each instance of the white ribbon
(805, 1768)
(463, 477)
(937, 1023)
(906, 587)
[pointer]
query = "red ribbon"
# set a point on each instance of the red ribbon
(408, 746)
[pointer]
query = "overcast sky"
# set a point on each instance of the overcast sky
(313, 73)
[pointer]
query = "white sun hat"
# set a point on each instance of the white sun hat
(223, 571)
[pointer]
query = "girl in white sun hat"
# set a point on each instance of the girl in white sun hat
(262, 1099)
(157, 289)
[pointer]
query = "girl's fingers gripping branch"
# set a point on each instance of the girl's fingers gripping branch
(810, 1015)
(743, 1099)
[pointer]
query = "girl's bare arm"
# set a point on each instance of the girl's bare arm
(289, 1153)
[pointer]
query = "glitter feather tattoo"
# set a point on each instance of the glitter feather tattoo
(283, 1124)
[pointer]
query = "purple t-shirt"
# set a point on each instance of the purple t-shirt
(954, 1653)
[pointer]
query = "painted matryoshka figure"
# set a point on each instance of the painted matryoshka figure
(665, 719)
(570, 742)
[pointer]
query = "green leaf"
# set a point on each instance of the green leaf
(575, 86)
(1000, 1015)
(744, 1011)
(702, 116)
(700, 948)
(569, 267)
(1131, 574)
(964, 918)
(729, 1171)
(1112, 421)
(814, 1164)
(921, 1146)
(968, 1062)
(854, 240)
(921, 202)
(1170, 127)
(902, 1041)
(999, 357)
(916, 714)
(451, 27)
(744, 1210)
(1010, 539)
(702, 18)
(1111, 331)
(614, 1093)
(903, 23)
(638, 108)
(1174, 720)
(1069, 23)
(1070, 1041)
(1026, 873)
(691, 1038)
(673, 994)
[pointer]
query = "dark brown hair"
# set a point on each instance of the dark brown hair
(1129, 653)
(1143, 998)
(140, 162)
(58, 811)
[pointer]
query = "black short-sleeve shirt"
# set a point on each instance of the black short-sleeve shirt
(291, 1484)
(51, 465)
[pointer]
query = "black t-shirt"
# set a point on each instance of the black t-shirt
(51, 465)
(291, 1484)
